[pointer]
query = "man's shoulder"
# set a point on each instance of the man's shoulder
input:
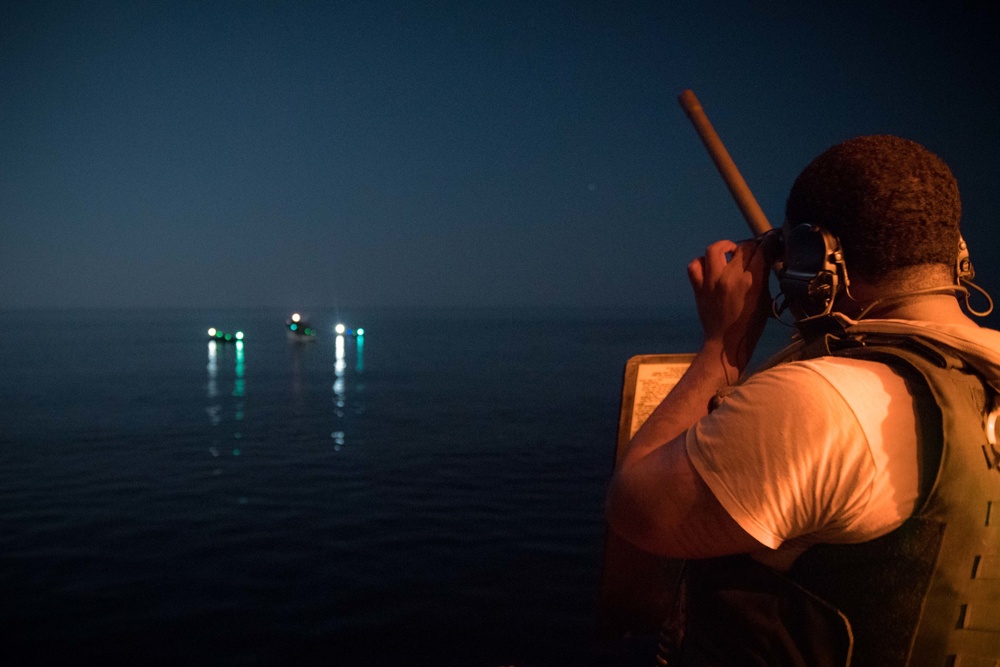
(818, 382)
(948, 335)
(826, 387)
(817, 370)
(977, 347)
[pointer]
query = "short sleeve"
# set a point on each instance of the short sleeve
(785, 455)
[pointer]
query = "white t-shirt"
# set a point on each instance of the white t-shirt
(812, 451)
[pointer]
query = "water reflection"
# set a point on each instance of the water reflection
(360, 367)
(239, 388)
(338, 371)
(212, 388)
(216, 408)
(339, 400)
(342, 379)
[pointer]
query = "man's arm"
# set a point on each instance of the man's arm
(657, 500)
(664, 507)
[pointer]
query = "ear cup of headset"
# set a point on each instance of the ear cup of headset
(812, 272)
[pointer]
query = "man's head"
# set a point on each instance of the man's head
(893, 204)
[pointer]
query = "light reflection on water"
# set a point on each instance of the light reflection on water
(217, 408)
(239, 386)
(228, 362)
(340, 385)
(338, 371)
(360, 365)
(213, 370)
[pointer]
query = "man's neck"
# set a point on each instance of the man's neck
(942, 308)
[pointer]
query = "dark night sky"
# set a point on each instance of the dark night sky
(445, 153)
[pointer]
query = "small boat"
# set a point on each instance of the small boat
(299, 330)
(224, 336)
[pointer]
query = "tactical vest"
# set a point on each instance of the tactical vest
(928, 593)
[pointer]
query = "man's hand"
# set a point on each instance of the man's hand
(730, 290)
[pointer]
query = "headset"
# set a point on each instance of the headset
(812, 274)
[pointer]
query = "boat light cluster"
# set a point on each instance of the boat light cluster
(294, 324)
(341, 330)
(224, 336)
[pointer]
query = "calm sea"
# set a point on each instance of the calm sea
(428, 494)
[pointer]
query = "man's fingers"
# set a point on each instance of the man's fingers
(696, 272)
(716, 259)
(747, 257)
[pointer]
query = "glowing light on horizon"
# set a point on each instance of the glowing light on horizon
(211, 332)
(296, 317)
(340, 328)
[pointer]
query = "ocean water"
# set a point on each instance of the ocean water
(428, 494)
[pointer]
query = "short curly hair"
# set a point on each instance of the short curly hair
(893, 203)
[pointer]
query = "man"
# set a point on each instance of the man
(855, 479)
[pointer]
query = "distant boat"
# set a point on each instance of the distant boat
(298, 330)
(224, 336)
